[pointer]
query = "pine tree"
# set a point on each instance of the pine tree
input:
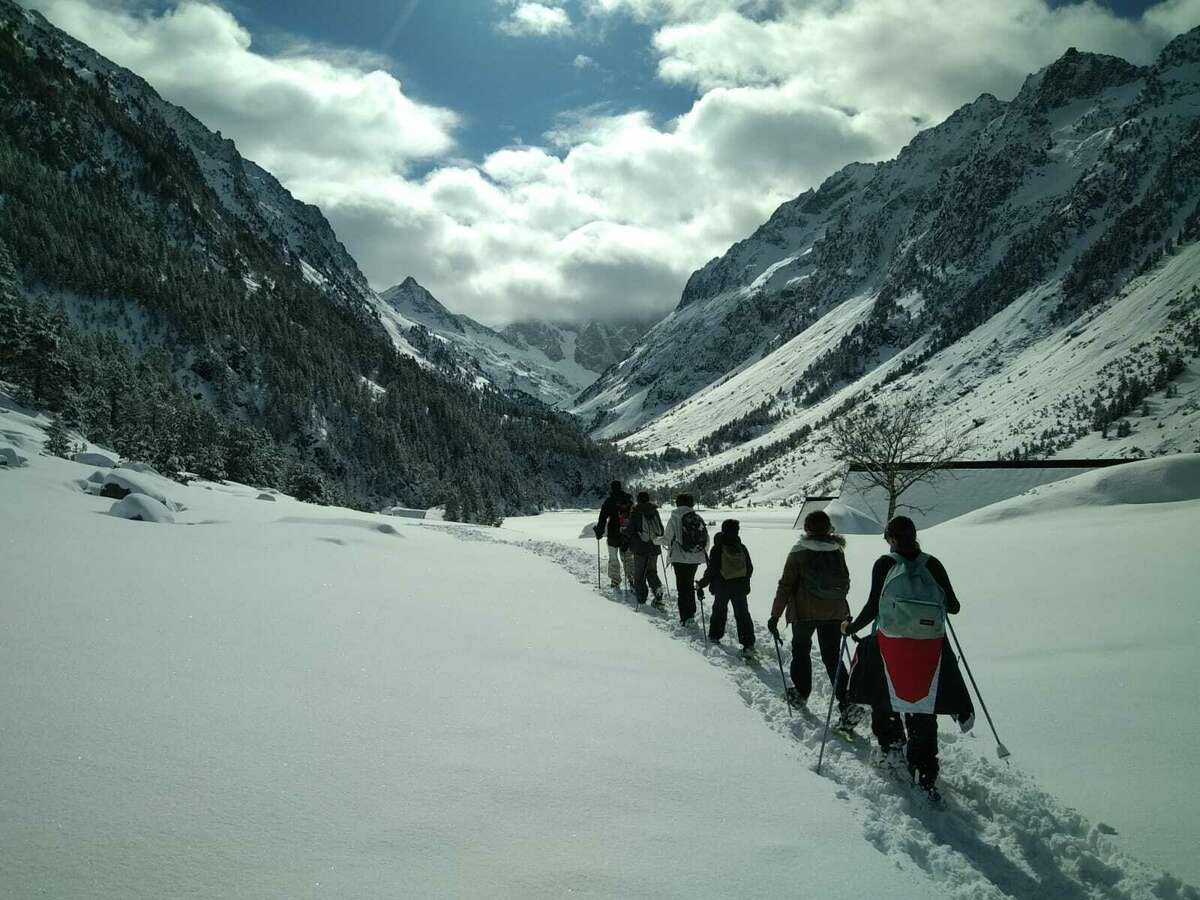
(57, 443)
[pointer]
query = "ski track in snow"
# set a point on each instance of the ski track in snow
(999, 835)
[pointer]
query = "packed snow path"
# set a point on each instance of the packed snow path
(998, 835)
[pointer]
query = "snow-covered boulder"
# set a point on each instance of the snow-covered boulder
(11, 458)
(96, 458)
(143, 467)
(122, 482)
(270, 497)
(140, 508)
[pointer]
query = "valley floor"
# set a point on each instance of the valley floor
(273, 699)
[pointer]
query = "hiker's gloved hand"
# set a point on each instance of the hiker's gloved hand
(773, 626)
(846, 627)
(596, 531)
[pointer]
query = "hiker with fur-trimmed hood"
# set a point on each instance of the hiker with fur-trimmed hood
(812, 593)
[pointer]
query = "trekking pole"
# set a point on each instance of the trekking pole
(666, 577)
(597, 563)
(703, 622)
(782, 677)
(1001, 750)
(829, 714)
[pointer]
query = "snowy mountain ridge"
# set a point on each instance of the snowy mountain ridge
(1010, 229)
(299, 231)
(552, 362)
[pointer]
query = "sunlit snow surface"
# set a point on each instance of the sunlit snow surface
(272, 699)
(1080, 621)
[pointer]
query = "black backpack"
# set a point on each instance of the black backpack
(826, 577)
(624, 509)
(693, 533)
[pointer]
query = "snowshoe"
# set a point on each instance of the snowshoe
(892, 760)
(794, 698)
(849, 716)
(931, 794)
(749, 654)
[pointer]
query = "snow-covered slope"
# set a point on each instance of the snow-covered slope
(550, 362)
(1012, 383)
(275, 699)
(270, 698)
(1078, 621)
(997, 246)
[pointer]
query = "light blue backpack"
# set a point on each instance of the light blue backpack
(912, 604)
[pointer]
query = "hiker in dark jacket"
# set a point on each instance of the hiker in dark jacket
(614, 514)
(642, 532)
(869, 681)
(812, 592)
(728, 575)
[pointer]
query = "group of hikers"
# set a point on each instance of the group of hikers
(904, 670)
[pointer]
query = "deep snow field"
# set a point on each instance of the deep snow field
(274, 699)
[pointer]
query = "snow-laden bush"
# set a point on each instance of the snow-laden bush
(122, 482)
(11, 458)
(96, 458)
(140, 508)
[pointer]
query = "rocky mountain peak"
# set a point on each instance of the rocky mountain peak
(1183, 50)
(1075, 75)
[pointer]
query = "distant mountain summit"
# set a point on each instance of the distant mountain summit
(1025, 262)
(548, 361)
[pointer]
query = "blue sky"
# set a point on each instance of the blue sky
(579, 159)
(449, 53)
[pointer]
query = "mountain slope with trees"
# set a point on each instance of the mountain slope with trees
(170, 299)
(997, 245)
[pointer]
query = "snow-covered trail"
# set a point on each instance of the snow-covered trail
(1000, 835)
(274, 699)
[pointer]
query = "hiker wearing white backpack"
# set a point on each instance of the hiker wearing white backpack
(686, 538)
(906, 667)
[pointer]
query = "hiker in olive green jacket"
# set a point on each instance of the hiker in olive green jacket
(812, 592)
(728, 574)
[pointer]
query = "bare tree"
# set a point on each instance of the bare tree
(895, 446)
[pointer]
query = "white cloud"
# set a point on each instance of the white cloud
(615, 211)
(536, 19)
(583, 62)
(920, 57)
(300, 113)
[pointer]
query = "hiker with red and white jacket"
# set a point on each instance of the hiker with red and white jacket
(614, 516)
(812, 593)
(906, 666)
(728, 575)
(686, 538)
